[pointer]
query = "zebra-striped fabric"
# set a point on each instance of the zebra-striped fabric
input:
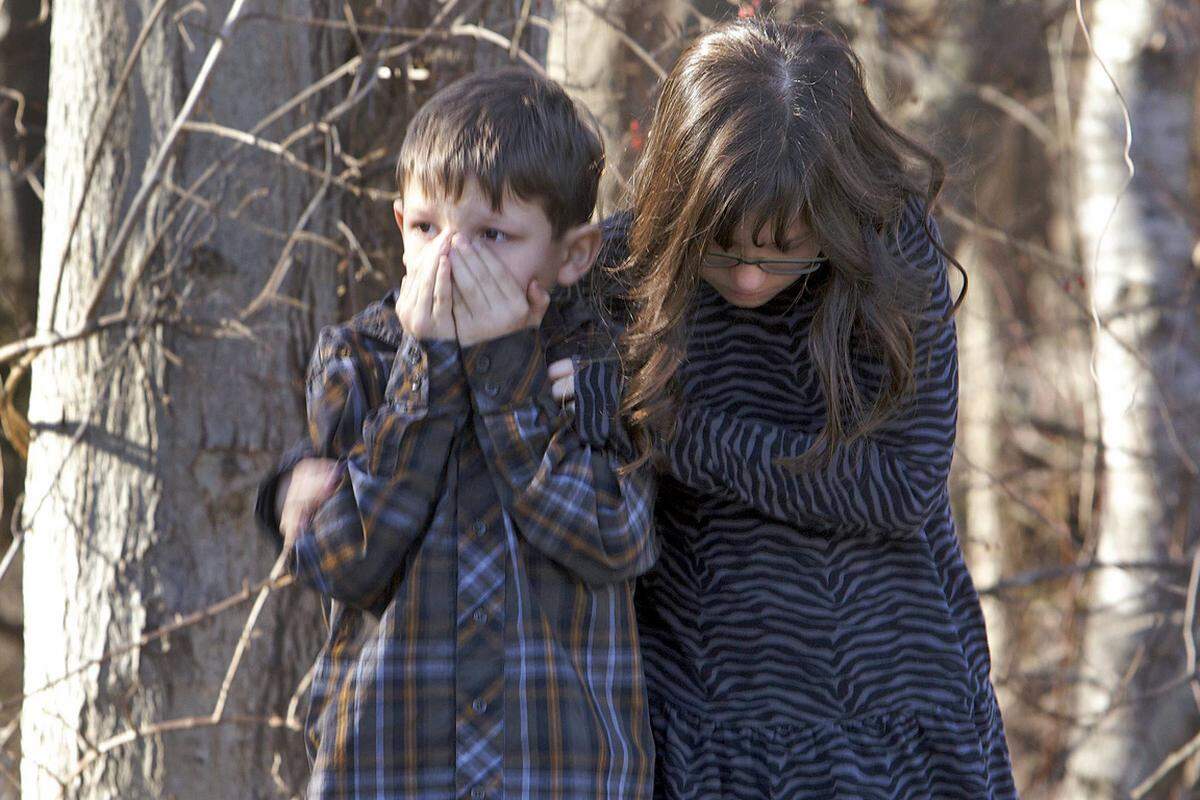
(814, 635)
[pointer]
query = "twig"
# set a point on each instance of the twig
(1170, 763)
(987, 93)
(170, 726)
(19, 114)
(519, 28)
(1189, 629)
(357, 247)
(963, 220)
(236, 215)
(42, 341)
(271, 289)
(626, 39)
(488, 35)
(277, 571)
(288, 157)
(293, 706)
(1036, 576)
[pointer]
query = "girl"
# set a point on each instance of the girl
(789, 360)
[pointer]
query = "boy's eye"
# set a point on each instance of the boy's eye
(493, 235)
(423, 227)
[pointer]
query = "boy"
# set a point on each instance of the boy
(479, 542)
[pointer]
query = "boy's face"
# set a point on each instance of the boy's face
(519, 234)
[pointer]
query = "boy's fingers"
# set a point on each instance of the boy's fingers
(485, 282)
(402, 296)
(425, 296)
(443, 283)
(560, 369)
(460, 302)
(466, 282)
(501, 279)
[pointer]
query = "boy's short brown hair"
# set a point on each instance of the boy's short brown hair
(510, 129)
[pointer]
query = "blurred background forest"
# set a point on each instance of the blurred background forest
(190, 189)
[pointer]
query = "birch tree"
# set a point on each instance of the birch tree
(1136, 698)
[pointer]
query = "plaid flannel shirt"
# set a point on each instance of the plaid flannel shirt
(479, 553)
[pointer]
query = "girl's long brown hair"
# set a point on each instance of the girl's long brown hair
(769, 123)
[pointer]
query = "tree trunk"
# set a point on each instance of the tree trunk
(1148, 365)
(604, 54)
(149, 437)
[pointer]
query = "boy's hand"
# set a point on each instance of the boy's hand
(301, 492)
(488, 301)
(424, 302)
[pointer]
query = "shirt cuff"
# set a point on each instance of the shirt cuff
(304, 561)
(508, 371)
(425, 371)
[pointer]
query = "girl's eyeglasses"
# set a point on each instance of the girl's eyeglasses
(771, 266)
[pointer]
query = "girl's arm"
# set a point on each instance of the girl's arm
(887, 483)
(394, 455)
(556, 471)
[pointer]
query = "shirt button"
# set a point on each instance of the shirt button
(477, 793)
(480, 527)
(480, 616)
(491, 388)
(479, 704)
(484, 363)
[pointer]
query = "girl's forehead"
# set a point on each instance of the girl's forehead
(760, 229)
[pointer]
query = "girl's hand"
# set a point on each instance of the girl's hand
(562, 377)
(301, 492)
(424, 303)
(488, 301)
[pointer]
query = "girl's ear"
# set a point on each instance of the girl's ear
(581, 245)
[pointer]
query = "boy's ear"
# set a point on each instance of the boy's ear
(581, 245)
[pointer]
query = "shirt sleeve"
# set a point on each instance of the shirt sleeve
(559, 480)
(393, 454)
(887, 483)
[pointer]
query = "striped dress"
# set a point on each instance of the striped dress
(814, 635)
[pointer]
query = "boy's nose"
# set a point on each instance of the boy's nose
(748, 277)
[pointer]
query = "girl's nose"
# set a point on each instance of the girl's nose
(748, 277)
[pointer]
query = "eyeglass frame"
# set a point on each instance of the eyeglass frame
(763, 263)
